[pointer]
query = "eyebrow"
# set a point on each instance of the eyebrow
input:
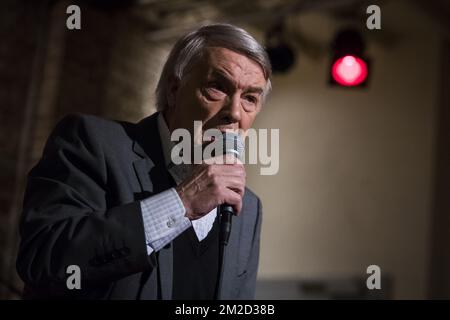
(258, 90)
(217, 73)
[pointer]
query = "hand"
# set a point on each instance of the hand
(211, 185)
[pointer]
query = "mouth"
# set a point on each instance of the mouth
(223, 130)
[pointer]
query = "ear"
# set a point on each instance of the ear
(172, 91)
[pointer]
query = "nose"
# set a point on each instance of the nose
(231, 112)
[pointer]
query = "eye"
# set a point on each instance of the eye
(251, 99)
(214, 91)
(215, 86)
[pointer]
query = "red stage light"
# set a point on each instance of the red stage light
(349, 71)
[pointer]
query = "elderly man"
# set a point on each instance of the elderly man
(107, 204)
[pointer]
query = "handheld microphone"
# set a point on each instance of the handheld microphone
(232, 144)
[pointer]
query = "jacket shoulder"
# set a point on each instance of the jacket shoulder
(251, 199)
(78, 123)
(92, 129)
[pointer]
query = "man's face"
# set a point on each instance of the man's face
(224, 90)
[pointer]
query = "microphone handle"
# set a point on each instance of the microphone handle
(226, 212)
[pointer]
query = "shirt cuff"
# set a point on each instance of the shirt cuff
(164, 219)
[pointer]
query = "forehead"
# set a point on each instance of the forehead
(234, 65)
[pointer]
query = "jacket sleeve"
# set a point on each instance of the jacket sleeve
(248, 282)
(66, 221)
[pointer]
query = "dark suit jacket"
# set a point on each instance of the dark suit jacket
(81, 207)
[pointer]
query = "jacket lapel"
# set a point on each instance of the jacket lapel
(230, 260)
(153, 178)
(142, 169)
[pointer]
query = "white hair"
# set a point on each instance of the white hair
(192, 46)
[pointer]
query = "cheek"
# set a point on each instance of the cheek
(247, 120)
(201, 99)
(194, 105)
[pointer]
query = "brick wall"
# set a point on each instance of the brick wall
(107, 68)
(18, 48)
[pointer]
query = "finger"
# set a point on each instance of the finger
(229, 170)
(236, 184)
(220, 159)
(236, 180)
(223, 159)
(233, 199)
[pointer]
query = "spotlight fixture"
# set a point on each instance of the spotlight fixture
(281, 55)
(349, 67)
